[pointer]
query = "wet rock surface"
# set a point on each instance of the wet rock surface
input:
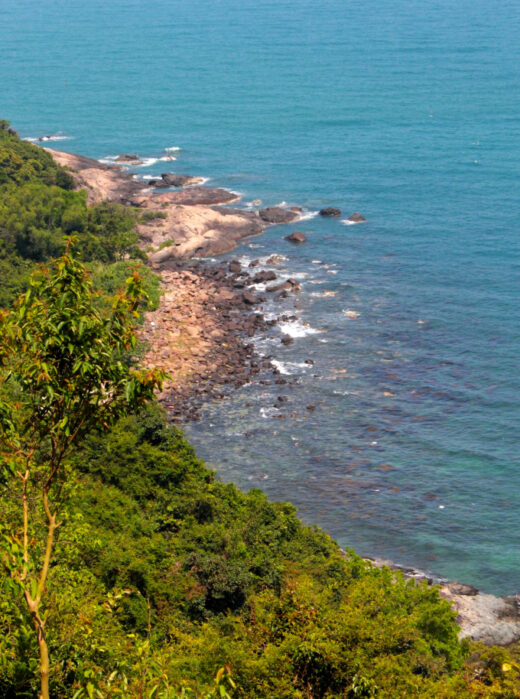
(296, 237)
(330, 211)
(356, 218)
(277, 215)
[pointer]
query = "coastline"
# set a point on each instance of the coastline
(216, 316)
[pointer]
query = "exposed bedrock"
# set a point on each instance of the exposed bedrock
(172, 179)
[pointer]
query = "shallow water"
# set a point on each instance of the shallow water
(406, 112)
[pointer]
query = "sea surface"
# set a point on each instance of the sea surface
(405, 111)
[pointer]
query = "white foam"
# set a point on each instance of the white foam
(172, 149)
(295, 328)
(269, 412)
(307, 215)
(350, 314)
(288, 368)
(53, 137)
(168, 157)
(144, 162)
(316, 262)
(332, 271)
(322, 294)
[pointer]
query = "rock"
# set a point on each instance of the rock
(296, 237)
(275, 260)
(171, 179)
(249, 298)
(277, 215)
(485, 618)
(279, 287)
(287, 340)
(127, 158)
(330, 211)
(262, 277)
(356, 218)
(457, 588)
(311, 407)
(282, 399)
(235, 267)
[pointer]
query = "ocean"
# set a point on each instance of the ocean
(407, 112)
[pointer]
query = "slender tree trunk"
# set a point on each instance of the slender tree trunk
(44, 665)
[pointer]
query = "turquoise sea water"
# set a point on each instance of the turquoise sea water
(407, 112)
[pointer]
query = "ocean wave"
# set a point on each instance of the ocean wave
(288, 368)
(172, 149)
(307, 215)
(52, 137)
(295, 328)
(350, 314)
(167, 158)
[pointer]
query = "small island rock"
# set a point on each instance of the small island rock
(329, 211)
(296, 237)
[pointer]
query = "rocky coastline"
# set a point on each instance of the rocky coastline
(200, 333)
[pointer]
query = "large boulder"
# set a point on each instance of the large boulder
(171, 179)
(356, 218)
(329, 211)
(262, 277)
(277, 215)
(296, 237)
(127, 158)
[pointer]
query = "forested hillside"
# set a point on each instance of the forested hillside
(163, 581)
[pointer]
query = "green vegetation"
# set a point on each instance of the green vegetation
(38, 209)
(160, 581)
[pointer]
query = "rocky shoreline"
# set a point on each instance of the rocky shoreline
(200, 331)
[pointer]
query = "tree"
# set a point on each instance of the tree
(64, 371)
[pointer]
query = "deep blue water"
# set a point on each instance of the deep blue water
(407, 112)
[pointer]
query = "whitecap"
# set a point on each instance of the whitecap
(295, 328)
(332, 271)
(316, 262)
(172, 149)
(346, 222)
(168, 157)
